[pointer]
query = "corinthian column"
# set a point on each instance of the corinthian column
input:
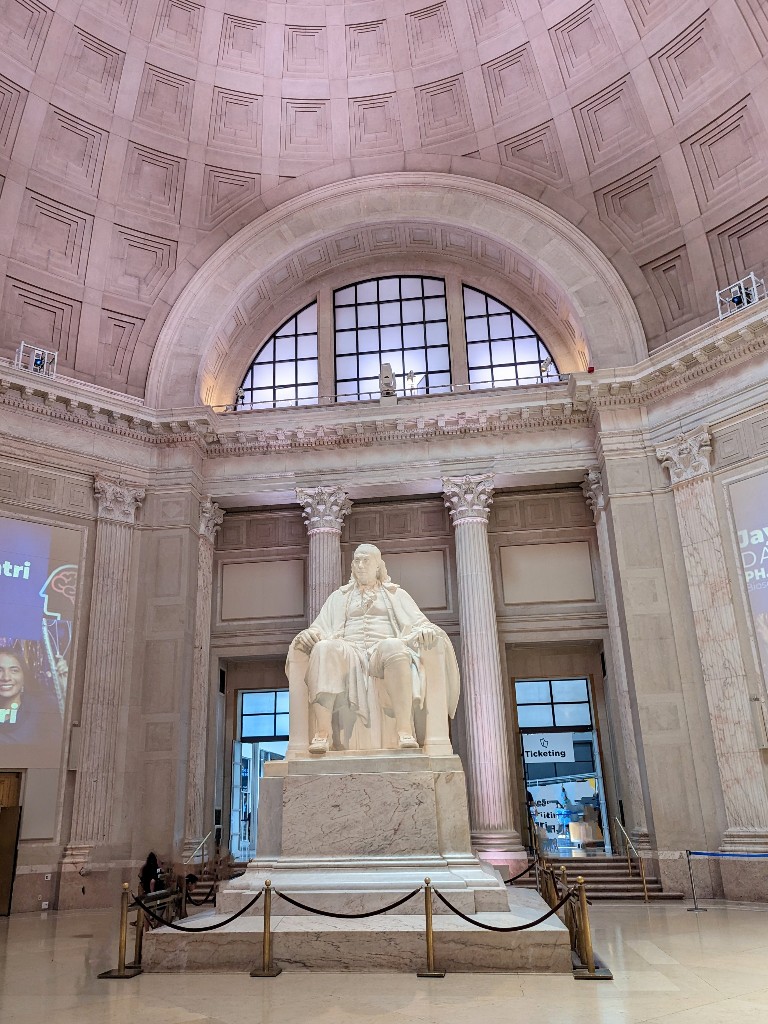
(490, 785)
(634, 802)
(725, 678)
(211, 518)
(108, 632)
(323, 509)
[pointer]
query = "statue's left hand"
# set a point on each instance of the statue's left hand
(425, 637)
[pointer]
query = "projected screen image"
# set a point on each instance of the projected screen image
(38, 593)
(750, 510)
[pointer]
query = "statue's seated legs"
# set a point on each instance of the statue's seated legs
(392, 663)
(329, 666)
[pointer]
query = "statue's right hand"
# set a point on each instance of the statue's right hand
(307, 639)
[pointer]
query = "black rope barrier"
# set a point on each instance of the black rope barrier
(327, 913)
(199, 903)
(496, 928)
(531, 866)
(207, 928)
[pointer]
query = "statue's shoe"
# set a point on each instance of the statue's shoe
(319, 745)
(407, 742)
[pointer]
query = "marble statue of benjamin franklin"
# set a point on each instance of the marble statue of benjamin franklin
(371, 642)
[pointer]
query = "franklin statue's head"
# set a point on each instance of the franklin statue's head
(368, 566)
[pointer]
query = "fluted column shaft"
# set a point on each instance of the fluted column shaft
(725, 677)
(634, 800)
(323, 509)
(488, 767)
(211, 518)
(108, 633)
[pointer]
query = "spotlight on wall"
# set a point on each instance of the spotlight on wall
(741, 293)
(387, 385)
(35, 359)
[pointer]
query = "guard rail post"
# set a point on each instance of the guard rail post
(430, 971)
(267, 969)
(122, 971)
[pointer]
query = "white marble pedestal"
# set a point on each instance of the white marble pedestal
(351, 834)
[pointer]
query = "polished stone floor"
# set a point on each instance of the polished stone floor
(669, 966)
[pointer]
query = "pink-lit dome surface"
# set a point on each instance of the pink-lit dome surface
(136, 136)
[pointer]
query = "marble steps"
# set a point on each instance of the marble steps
(607, 878)
(391, 943)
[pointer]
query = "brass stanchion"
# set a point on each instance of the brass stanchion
(267, 970)
(586, 952)
(122, 971)
(430, 971)
(182, 896)
(645, 883)
(139, 940)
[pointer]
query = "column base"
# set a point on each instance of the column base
(641, 838)
(192, 846)
(76, 855)
(500, 850)
(745, 840)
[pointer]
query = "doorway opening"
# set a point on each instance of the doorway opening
(261, 736)
(560, 753)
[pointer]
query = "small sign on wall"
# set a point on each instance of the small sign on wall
(548, 746)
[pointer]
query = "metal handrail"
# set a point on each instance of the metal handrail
(199, 846)
(629, 845)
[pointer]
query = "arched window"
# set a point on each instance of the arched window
(502, 348)
(284, 371)
(397, 320)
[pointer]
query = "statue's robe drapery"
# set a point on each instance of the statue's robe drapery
(406, 619)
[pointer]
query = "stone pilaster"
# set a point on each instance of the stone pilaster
(211, 518)
(323, 509)
(108, 637)
(633, 800)
(687, 460)
(488, 769)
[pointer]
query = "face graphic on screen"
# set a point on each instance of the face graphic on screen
(38, 591)
(11, 685)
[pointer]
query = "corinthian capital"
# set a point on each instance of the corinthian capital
(323, 508)
(592, 487)
(468, 498)
(117, 501)
(687, 457)
(211, 518)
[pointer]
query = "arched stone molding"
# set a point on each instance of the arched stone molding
(285, 246)
(541, 303)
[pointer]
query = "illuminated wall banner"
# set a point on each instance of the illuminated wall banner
(750, 511)
(39, 568)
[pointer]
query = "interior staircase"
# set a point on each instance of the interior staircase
(607, 878)
(201, 888)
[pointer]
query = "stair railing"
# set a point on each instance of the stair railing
(629, 849)
(201, 849)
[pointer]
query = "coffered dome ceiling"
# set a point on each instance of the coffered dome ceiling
(136, 136)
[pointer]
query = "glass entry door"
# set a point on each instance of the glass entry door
(262, 735)
(561, 759)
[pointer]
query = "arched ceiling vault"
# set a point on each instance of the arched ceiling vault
(138, 136)
(331, 227)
